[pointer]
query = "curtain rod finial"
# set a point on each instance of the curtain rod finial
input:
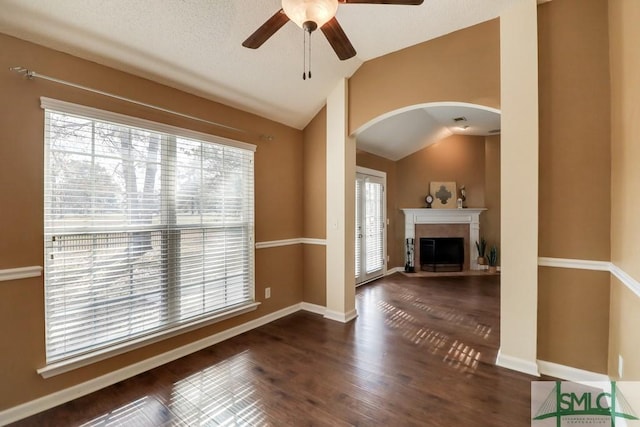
(21, 70)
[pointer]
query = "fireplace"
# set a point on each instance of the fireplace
(445, 223)
(441, 253)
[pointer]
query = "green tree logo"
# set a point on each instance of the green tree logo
(592, 403)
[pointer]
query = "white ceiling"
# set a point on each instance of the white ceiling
(196, 45)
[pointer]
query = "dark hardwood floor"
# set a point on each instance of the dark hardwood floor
(420, 353)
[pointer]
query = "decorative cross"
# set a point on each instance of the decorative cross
(443, 194)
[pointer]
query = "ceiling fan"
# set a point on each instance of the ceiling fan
(311, 15)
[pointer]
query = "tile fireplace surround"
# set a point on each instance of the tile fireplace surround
(463, 223)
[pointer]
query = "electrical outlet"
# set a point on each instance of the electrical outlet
(620, 366)
(267, 293)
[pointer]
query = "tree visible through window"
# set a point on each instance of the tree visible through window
(144, 231)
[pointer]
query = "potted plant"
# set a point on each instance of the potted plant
(481, 246)
(493, 259)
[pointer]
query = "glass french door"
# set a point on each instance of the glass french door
(370, 227)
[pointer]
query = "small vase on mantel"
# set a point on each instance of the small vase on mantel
(482, 260)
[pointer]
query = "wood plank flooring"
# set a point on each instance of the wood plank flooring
(420, 353)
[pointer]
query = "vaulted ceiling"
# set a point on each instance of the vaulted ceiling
(196, 45)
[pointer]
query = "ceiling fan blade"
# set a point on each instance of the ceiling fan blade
(266, 30)
(399, 2)
(338, 39)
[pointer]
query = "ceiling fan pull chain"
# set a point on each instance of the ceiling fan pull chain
(309, 54)
(304, 55)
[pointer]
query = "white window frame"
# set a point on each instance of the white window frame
(69, 364)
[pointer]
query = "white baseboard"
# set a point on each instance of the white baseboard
(569, 373)
(563, 372)
(339, 316)
(313, 308)
(394, 270)
(370, 280)
(54, 399)
(517, 364)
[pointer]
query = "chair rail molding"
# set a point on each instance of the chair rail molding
(586, 264)
(288, 242)
(20, 273)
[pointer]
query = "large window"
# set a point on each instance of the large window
(148, 230)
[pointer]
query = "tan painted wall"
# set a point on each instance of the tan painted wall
(573, 317)
(278, 172)
(463, 66)
(315, 275)
(575, 169)
(625, 128)
(456, 158)
(315, 187)
(624, 34)
(490, 219)
(395, 229)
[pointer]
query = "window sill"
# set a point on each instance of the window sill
(67, 365)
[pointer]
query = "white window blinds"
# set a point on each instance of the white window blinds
(147, 228)
(374, 226)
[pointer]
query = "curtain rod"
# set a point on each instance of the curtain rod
(30, 74)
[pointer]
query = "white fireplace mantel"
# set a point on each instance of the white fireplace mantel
(469, 216)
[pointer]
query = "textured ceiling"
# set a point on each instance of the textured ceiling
(195, 45)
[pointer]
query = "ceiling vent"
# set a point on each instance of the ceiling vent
(459, 119)
(494, 131)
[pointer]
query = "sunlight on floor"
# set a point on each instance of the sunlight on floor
(220, 394)
(462, 357)
(137, 412)
(459, 356)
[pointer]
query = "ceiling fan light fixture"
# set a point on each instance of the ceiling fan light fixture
(318, 11)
